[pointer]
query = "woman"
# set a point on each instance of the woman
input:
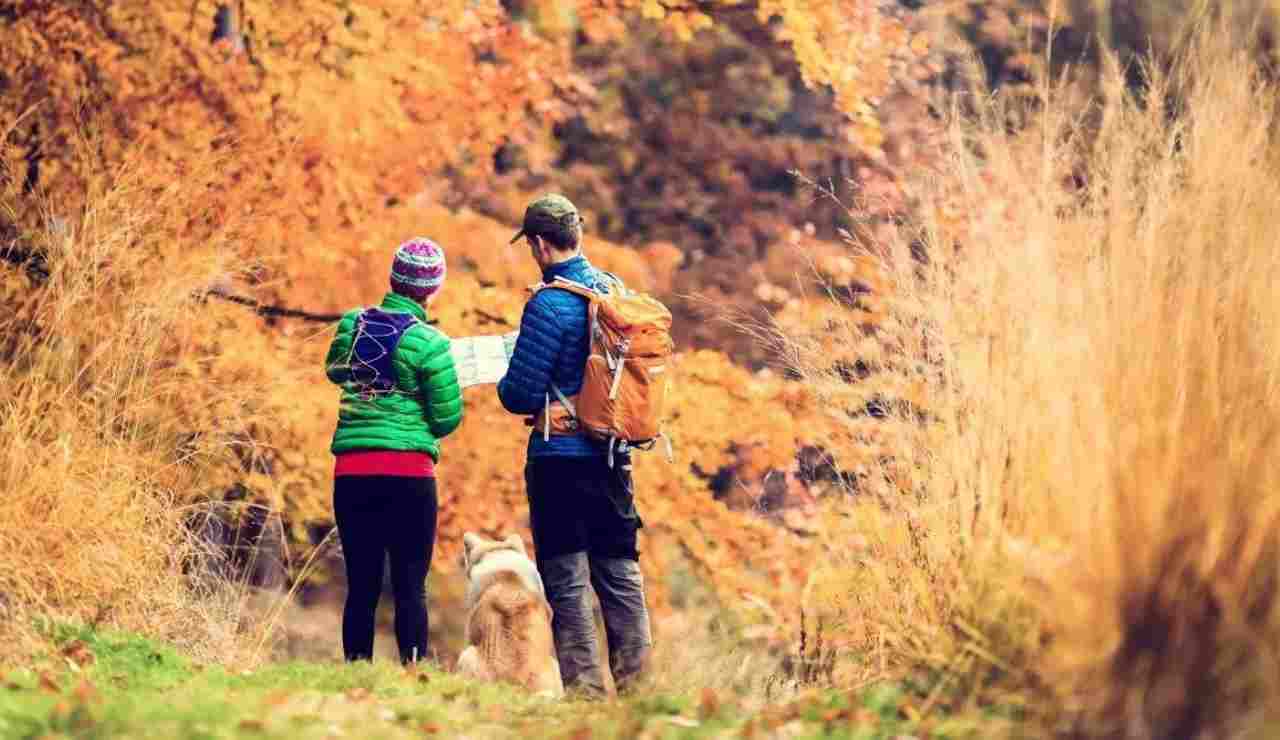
(400, 397)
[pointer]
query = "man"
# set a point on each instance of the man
(581, 510)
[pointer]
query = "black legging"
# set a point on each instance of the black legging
(379, 515)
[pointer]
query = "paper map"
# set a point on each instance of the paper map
(482, 359)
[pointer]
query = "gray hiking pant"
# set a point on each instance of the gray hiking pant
(619, 586)
(585, 523)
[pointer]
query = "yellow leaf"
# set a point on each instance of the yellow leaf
(699, 20)
(653, 9)
(681, 27)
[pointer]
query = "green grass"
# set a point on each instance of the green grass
(99, 684)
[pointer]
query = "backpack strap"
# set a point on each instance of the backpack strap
(568, 405)
(567, 285)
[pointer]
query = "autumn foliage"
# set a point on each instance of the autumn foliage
(916, 391)
(288, 149)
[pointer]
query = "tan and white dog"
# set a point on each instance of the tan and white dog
(508, 617)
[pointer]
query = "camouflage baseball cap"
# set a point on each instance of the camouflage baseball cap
(549, 214)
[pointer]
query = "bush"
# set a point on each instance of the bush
(102, 343)
(1095, 525)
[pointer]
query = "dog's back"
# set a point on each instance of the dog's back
(508, 620)
(511, 629)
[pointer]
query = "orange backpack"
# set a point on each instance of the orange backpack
(624, 385)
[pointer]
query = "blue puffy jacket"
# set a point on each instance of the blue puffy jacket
(552, 348)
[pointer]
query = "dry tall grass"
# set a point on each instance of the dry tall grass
(98, 468)
(1097, 531)
(1137, 27)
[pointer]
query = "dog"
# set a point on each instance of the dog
(508, 634)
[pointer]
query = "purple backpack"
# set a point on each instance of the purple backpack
(377, 335)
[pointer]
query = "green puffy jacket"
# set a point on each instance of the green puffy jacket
(427, 403)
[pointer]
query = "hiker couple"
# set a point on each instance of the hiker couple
(400, 397)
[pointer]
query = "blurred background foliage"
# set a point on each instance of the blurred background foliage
(715, 147)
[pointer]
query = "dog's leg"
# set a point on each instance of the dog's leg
(554, 684)
(470, 664)
(547, 681)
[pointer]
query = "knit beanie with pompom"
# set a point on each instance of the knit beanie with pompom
(418, 269)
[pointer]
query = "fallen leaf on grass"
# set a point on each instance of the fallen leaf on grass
(48, 684)
(86, 692)
(772, 720)
(78, 654)
(710, 704)
(252, 725)
(679, 721)
(429, 729)
(359, 693)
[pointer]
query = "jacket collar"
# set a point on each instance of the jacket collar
(570, 269)
(401, 304)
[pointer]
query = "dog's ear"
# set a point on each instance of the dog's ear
(516, 542)
(469, 542)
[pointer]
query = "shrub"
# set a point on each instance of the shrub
(1095, 526)
(102, 342)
